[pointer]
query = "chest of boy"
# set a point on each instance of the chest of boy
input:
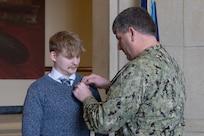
(62, 103)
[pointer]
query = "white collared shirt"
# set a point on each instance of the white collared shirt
(54, 74)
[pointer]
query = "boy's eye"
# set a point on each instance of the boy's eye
(69, 57)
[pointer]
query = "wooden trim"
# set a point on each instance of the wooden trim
(80, 69)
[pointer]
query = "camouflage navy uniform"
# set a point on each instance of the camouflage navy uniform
(146, 97)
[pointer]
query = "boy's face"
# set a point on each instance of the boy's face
(66, 65)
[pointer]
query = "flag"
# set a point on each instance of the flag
(150, 6)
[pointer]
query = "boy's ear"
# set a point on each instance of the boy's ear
(53, 56)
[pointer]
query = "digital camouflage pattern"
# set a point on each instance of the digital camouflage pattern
(146, 97)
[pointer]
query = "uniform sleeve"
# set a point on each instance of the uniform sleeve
(124, 98)
(32, 113)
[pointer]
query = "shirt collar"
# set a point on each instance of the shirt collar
(54, 74)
